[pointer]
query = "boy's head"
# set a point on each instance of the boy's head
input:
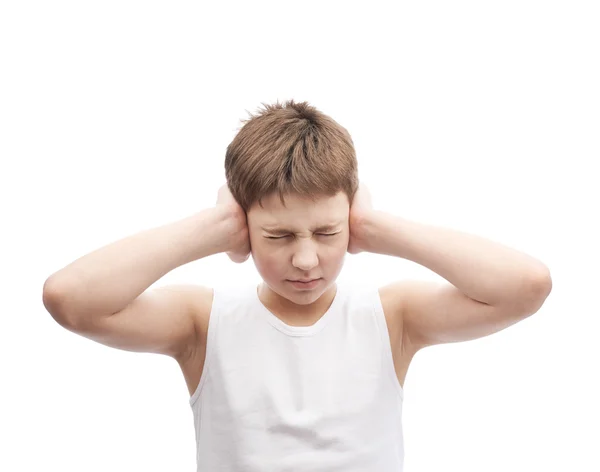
(291, 167)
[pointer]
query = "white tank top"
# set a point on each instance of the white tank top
(274, 397)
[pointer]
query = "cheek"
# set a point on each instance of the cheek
(340, 247)
(339, 255)
(268, 264)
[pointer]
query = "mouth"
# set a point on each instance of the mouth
(305, 283)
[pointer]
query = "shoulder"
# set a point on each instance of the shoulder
(393, 296)
(390, 302)
(207, 301)
(200, 298)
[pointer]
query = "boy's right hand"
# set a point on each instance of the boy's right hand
(238, 234)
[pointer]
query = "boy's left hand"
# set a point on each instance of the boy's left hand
(360, 208)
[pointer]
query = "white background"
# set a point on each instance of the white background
(480, 116)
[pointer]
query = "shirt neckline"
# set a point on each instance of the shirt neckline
(282, 326)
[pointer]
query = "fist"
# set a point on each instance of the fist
(237, 237)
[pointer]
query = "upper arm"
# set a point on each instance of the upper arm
(438, 312)
(163, 320)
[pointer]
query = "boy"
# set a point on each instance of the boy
(299, 373)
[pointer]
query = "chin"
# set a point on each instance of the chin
(305, 297)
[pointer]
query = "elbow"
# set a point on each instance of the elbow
(54, 299)
(539, 289)
(543, 283)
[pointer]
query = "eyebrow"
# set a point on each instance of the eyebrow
(277, 230)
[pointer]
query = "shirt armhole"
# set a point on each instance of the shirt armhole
(213, 322)
(385, 340)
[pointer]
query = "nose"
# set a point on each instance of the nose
(305, 258)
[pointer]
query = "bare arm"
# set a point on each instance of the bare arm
(101, 295)
(106, 280)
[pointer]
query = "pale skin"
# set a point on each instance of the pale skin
(104, 295)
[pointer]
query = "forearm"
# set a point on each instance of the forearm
(483, 270)
(108, 279)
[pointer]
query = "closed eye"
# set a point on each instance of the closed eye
(281, 237)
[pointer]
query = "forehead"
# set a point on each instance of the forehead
(299, 211)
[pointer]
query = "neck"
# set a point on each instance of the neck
(281, 305)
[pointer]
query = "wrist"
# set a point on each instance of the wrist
(202, 232)
(231, 228)
(371, 231)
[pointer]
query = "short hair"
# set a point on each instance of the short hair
(290, 148)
